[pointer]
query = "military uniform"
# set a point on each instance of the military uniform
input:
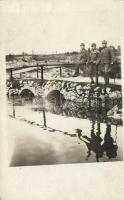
(93, 62)
(83, 60)
(83, 56)
(106, 59)
(107, 56)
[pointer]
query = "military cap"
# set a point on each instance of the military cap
(93, 45)
(104, 42)
(82, 44)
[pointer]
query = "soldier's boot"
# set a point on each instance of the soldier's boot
(105, 78)
(96, 76)
(76, 73)
(91, 77)
(96, 79)
(105, 92)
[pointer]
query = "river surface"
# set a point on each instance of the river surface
(42, 133)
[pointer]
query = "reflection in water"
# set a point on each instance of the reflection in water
(109, 146)
(94, 142)
(13, 107)
(67, 108)
(44, 118)
(79, 110)
(98, 140)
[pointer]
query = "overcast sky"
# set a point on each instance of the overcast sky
(47, 26)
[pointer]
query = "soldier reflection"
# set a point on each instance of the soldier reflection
(96, 144)
(93, 143)
(109, 146)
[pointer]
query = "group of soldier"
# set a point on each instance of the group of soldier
(94, 58)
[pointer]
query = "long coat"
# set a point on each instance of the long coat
(107, 56)
(94, 55)
(83, 56)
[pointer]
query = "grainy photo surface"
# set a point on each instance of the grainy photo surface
(63, 83)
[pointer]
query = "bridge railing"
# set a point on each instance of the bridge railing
(47, 66)
(42, 68)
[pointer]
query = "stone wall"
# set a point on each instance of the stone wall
(90, 95)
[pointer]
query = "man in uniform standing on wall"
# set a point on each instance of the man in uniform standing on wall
(93, 62)
(83, 60)
(107, 59)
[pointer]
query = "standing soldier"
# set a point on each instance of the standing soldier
(83, 60)
(107, 59)
(93, 62)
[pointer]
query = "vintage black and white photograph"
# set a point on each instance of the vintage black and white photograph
(63, 83)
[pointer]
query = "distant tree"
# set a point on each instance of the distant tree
(10, 57)
(24, 54)
(35, 57)
(119, 50)
(113, 48)
(74, 52)
(67, 53)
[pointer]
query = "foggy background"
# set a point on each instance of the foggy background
(59, 26)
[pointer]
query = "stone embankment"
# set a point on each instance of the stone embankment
(90, 95)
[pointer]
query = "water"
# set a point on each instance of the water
(96, 139)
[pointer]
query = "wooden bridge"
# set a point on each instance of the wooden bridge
(41, 68)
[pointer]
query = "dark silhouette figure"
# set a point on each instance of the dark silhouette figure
(93, 143)
(79, 133)
(109, 146)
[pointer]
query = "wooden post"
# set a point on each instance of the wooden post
(42, 72)
(20, 75)
(37, 73)
(13, 111)
(96, 74)
(60, 71)
(11, 75)
(13, 107)
(44, 118)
